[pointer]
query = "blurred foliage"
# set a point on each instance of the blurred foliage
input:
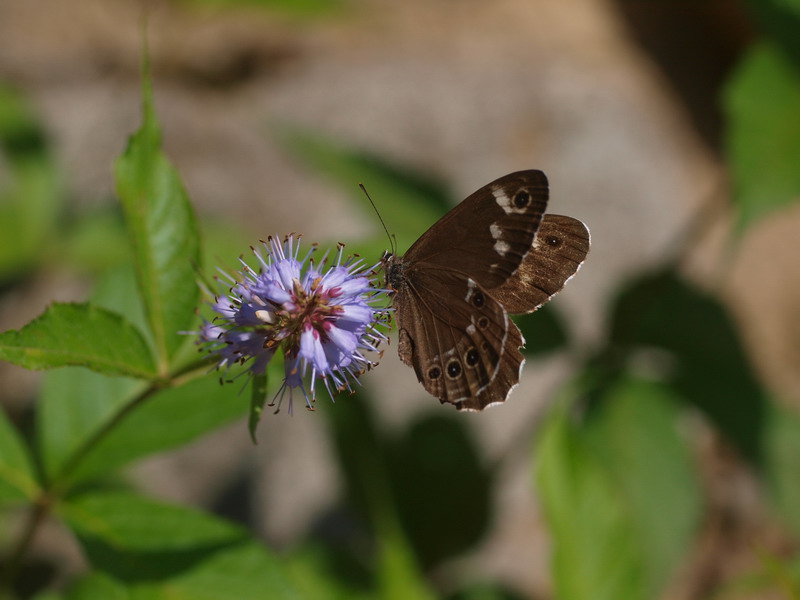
(762, 100)
(617, 467)
(295, 8)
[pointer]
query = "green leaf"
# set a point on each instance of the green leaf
(780, 20)
(169, 419)
(163, 232)
(635, 432)
(594, 554)
(79, 335)
(17, 477)
(30, 205)
(408, 201)
(763, 144)
(74, 405)
(98, 585)
(368, 478)
(436, 457)
(691, 340)
(297, 8)
(620, 495)
(782, 456)
(165, 552)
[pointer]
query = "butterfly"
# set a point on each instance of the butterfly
(494, 254)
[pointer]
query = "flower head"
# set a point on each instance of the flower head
(321, 317)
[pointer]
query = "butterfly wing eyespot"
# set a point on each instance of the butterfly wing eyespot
(472, 358)
(453, 369)
(522, 199)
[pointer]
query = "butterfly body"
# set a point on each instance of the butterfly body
(494, 254)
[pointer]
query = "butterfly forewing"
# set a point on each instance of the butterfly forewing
(559, 249)
(489, 233)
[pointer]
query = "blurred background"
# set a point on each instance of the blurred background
(653, 439)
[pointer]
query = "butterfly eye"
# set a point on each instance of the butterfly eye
(553, 241)
(454, 369)
(472, 357)
(521, 199)
(478, 300)
(434, 373)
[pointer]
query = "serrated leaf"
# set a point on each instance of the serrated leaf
(164, 552)
(79, 335)
(163, 232)
(17, 477)
(763, 141)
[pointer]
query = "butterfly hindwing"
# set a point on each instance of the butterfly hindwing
(467, 355)
(558, 251)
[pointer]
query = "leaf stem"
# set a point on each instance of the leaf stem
(41, 506)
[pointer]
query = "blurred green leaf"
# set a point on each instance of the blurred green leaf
(365, 470)
(301, 8)
(782, 457)
(594, 554)
(163, 233)
(30, 203)
(96, 243)
(620, 494)
(485, 591)
(75, 404)
(135, 539)
(21, 136)
(171, 418)
(96, 586)
(17, 477)
(316, 579)
(780, 20)
(166, 552)
(761, 101)
(635, 432)
(435, 458)
(698, 350)
(409, 202)
(79, 335)
(544, 331)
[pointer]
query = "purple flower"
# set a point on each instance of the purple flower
(322, 317)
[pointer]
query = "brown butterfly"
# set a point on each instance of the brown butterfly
(494, 254)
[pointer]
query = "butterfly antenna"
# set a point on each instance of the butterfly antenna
(375, 208)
